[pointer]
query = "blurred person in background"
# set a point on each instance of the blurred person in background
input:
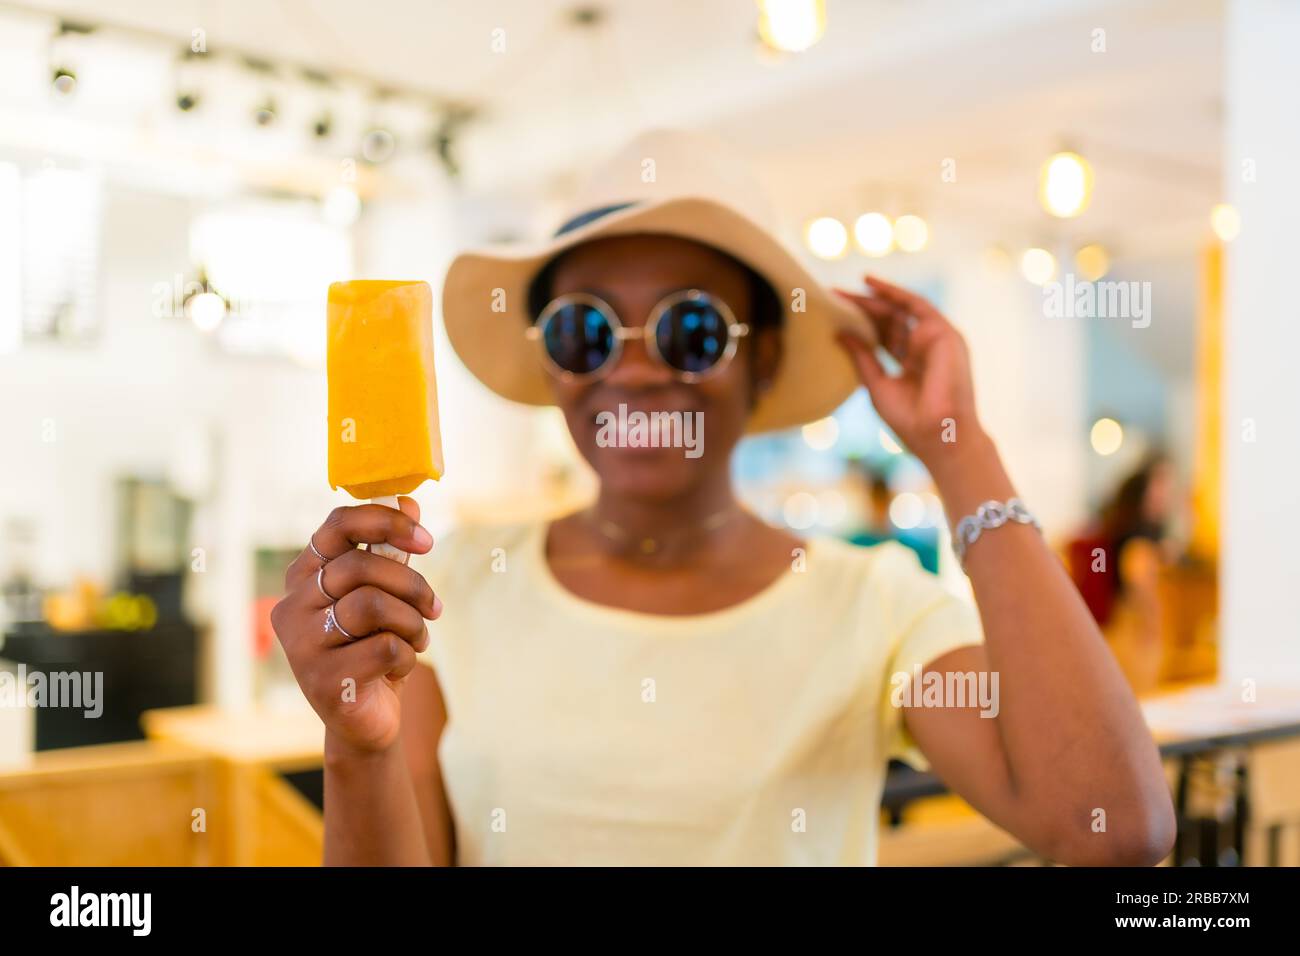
(1117, 564)
(662, 678)
(880, 527)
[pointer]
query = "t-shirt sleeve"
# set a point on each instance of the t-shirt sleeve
(930, 622)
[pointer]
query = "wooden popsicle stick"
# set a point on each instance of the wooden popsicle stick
(383, 548)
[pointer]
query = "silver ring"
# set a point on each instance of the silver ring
(320, 583)
(332, 623)
(311, 543)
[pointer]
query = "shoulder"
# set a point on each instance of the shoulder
(887, 576)
(882, 564)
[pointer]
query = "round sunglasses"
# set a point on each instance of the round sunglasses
(691, 332)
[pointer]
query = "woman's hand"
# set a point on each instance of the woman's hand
(354, 684)
(930, 406)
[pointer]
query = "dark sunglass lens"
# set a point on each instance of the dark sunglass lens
(578, 338)
(692, 335)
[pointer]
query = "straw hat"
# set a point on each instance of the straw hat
(666, 183)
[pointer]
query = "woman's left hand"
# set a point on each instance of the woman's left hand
(930, 406)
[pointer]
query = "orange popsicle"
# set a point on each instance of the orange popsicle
(384, 438)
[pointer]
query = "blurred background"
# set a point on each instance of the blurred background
(180, 182)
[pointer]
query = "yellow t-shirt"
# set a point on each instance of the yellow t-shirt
(755, 735)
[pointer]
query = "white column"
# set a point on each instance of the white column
(1260, 630)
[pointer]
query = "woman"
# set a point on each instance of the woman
(1118, 567)
(663, 678)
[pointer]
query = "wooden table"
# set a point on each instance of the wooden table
(270, 822)
(287, 739)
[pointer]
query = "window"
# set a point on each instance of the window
(49, 254)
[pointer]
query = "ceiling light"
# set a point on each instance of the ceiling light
(1226, 221)
(1106, 437)
(1038, 266)
(912, 233)
(1065, 185)
(206, 310)
(1092, 261)
(827, 238)
(791, 26)
(874, 234)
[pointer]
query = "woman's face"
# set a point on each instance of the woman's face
(632, 274)
(1158, 503)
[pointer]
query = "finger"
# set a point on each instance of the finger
(348, 526)
(410, 507)
(918, 305)
(369, 610)
(359, 568)
(381, 655)
(892, 322)
(864, 359)
(880, 312)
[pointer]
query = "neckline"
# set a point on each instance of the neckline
(551, 586)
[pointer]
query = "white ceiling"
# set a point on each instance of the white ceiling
(895, 87)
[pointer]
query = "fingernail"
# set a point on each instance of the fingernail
(437, 607)
(422, 537)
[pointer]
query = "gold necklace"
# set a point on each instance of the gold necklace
(650, 545)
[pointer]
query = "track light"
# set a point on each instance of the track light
(63, 71)
(64, 81)
(378, 145)
(188, 96)
(264, 112)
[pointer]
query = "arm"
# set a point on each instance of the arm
(1068, 739)
(390, 804)
(372, 817)
(351, 627)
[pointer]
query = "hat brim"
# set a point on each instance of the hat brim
(485, 308)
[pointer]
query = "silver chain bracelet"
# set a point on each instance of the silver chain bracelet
(990, 515)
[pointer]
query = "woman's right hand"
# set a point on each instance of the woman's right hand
(354, 684)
